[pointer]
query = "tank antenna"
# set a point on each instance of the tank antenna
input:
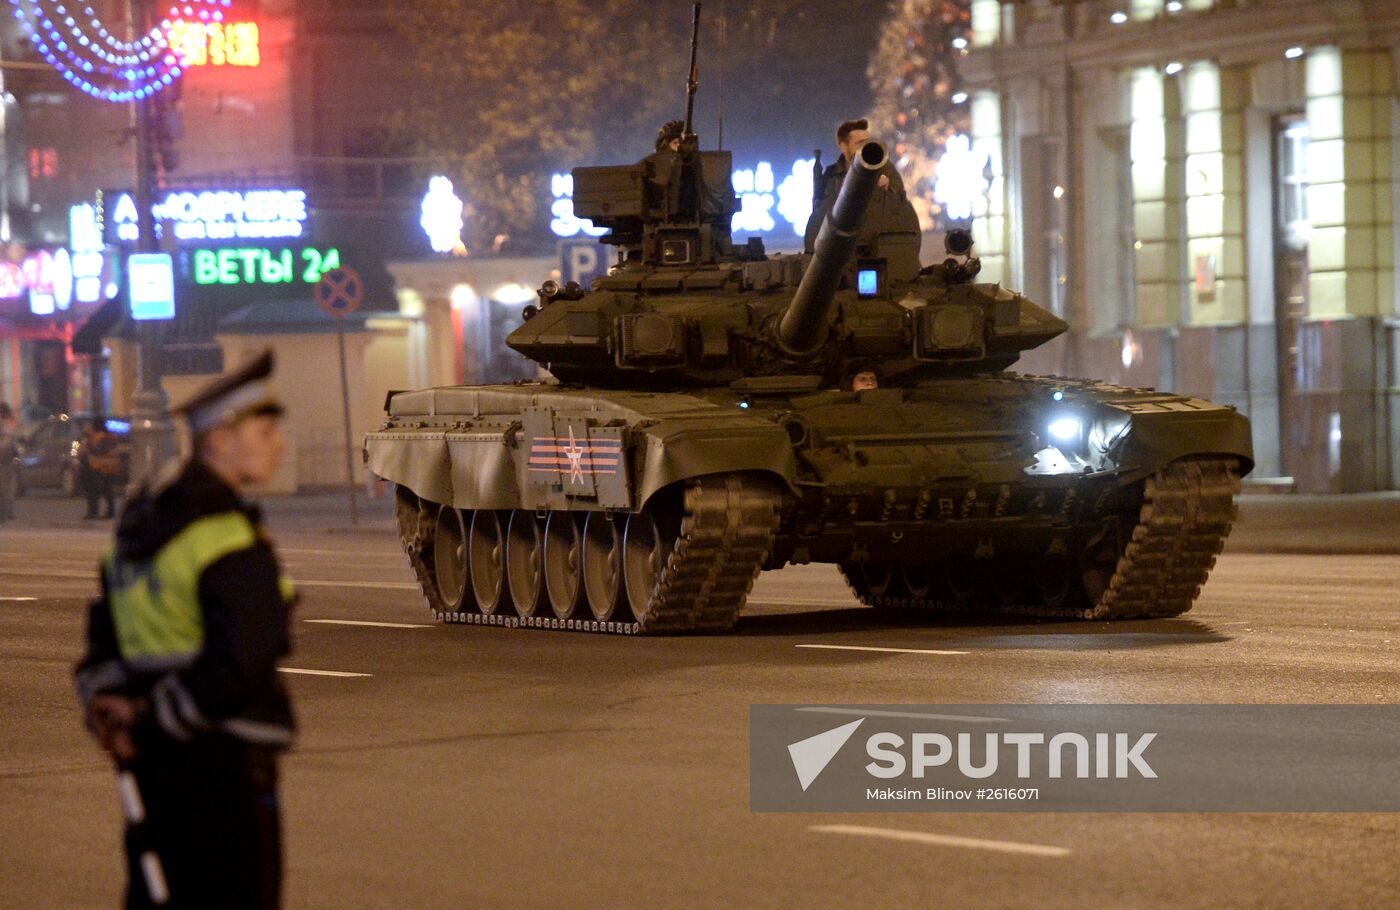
(723, 39)
(694, 82)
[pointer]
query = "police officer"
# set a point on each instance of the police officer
(180, 680)
(850, 136)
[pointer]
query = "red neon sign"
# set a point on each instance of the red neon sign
(215, 43)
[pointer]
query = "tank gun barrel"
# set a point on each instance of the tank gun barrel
(803, 325)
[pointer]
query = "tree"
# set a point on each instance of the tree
(914, 75)
(513, 91)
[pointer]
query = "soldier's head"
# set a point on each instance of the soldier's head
(236, 422)
(668, 138)
(851, 135)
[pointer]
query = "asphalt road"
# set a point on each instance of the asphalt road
(471, 767)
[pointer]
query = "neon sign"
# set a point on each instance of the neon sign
(759, 197)
(151, 286)
(755, 191)
(85, 240)
(216, 215)
(565, 223)
(38, 269)
(215, 43)
(261, 265)
(442, 216)
(959, 180)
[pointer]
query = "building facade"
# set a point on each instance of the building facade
(1206, 190)
(275, 166)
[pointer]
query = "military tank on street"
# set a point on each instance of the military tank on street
(712, 415)
(716, 411)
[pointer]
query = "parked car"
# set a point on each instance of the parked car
(50, 453)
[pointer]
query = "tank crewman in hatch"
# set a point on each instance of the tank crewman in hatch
(180, 679)
(850, 136)
(668, 138)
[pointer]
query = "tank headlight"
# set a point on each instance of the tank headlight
(1066, 429)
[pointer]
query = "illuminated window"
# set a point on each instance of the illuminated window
(43, 163)
(1293, 182)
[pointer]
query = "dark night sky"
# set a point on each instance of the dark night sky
(782, 108)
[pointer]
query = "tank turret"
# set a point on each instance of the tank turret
(803, 326)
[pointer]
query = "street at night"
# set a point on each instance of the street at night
(701, 454)
(464, 766)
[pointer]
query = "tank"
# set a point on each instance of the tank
(712, 411)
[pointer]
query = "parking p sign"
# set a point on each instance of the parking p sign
(150, 285)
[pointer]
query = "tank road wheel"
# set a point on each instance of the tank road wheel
(922, 584)
(417, 523)
(563, 578)
(648, 542)
(876, 584)
(449, 559)
(1152, 559)
(966, 579)
(602, 567)
(486, 555)
(1056, 582)
(1011, 581)
(525, 563)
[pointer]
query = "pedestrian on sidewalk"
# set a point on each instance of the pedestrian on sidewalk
(180, 683)
(9, 450)
(99, 466)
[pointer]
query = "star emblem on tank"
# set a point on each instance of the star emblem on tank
(574, 452)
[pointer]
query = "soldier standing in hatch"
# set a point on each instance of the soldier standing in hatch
(668, 138)
(180, 681)
(850, 136)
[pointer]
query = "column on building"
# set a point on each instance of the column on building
(1211, 348)
(989, 223)
(1351, 258)
(1157, 208)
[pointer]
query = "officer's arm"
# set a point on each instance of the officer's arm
(101, 669)
(245, 632)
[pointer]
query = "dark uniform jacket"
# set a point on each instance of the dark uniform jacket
(826, 192)
(194, 615)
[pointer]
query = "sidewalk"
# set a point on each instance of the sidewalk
(1359, 523)
(326, 513)
(1352, 523)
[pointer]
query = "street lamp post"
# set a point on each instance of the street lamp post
(152, 431)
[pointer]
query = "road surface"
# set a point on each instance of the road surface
(455, 766)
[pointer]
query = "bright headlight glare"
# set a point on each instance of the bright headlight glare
(1066, 429)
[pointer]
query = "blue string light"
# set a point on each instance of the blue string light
(133, 69)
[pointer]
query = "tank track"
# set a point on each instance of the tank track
(726, 532)
(1187, 510)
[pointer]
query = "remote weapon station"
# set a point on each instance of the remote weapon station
(708, 419)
